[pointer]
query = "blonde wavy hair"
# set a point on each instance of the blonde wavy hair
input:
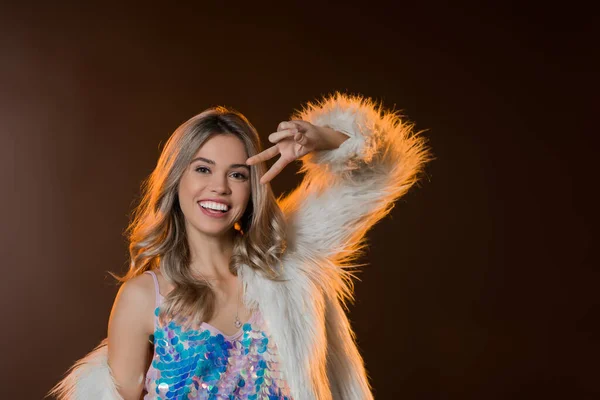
(157, 233)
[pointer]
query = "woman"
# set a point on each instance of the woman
(243, 297)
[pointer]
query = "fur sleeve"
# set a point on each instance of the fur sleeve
(344, 192)
(347, 190)
(345, 367)
(89, 379)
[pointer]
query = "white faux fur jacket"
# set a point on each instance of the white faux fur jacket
(344, 192)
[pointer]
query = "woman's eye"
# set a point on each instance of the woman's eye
(238, 175)
(202, 170)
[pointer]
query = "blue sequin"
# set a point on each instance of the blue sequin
(194, 364)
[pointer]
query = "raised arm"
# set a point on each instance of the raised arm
(348, 186)
(348, 189)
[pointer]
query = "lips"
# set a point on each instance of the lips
(214, 208)
(214, 205)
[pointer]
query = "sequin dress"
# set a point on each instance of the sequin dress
(207, 364)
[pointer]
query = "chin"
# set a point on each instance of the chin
(214, 231)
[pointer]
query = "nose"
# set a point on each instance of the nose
(220, 185)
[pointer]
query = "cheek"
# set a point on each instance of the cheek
(184, 202)
(182, 191)
(244, 196)
(187, 190)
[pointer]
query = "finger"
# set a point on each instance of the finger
(279, 135)
(295, 123)
(286, 125)
(274, 170)
(301, 138)
(301, 125)
(263, 156)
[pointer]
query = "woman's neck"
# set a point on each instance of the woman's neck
(210, 255)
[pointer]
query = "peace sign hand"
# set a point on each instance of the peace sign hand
(293, 140)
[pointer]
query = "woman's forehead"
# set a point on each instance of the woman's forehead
(223, 149)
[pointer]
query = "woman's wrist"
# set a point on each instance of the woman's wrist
(330, 139)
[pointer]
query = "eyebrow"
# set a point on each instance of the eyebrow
(206, 160)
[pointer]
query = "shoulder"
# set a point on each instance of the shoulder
(141, 288)
(134, 305)
(138, 290)
(164, 285)
(135, 298)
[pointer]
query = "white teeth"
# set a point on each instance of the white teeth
(214, 205)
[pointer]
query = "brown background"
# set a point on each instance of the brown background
(480, 283)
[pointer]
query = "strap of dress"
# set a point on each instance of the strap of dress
(157, 295)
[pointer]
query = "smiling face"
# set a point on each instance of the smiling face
(214, 190)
